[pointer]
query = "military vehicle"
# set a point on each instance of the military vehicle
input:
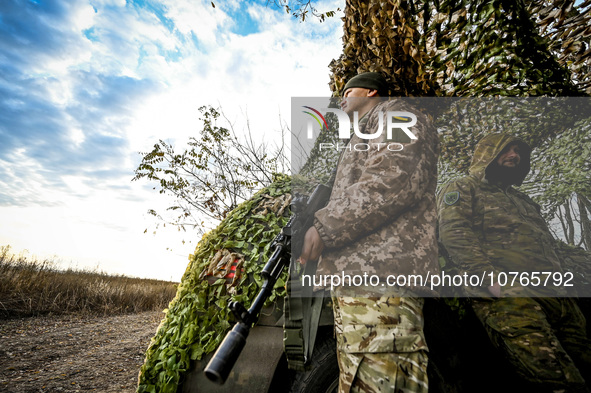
(262, 365)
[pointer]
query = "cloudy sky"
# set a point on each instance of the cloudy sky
(87, 84)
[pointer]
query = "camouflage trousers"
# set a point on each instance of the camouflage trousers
(544, 339)
(380, 344)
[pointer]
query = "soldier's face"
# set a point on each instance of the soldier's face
(509, 157)
(354, 99)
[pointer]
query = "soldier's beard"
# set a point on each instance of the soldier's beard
(496, 173)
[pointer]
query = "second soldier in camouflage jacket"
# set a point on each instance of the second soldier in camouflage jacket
(488, 226)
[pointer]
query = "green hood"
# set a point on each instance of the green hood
(490, 147)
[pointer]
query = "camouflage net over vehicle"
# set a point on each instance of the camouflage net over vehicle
(225, 266)
(468, 49)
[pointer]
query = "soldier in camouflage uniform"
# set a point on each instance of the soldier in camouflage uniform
(380, 220)
(487, 225)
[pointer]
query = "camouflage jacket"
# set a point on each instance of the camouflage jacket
(381, 217)
(488, 228)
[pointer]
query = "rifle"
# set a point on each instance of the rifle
(289, 238)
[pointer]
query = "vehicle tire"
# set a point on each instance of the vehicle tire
(323, 373)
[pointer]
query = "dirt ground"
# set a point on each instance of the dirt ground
(74, 354)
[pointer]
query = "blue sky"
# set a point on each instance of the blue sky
(85, 85)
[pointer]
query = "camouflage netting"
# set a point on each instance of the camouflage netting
(226, 264)
(425, 48)
(467, 49)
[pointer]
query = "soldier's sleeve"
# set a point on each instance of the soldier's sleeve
(457, 231)
(391, 182)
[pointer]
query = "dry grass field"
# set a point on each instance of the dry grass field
(72, 331)
(32, 287)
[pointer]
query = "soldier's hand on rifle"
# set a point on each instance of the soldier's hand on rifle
(313, 246)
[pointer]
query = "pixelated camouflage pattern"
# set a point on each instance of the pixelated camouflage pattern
(494, 229)
(380, 344)
(381, 217)
(543, 339)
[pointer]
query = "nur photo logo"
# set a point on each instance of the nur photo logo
(348, 127)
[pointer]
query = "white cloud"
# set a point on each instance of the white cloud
(198, 18)
(256, 74)
(110, 83)
(82, 17)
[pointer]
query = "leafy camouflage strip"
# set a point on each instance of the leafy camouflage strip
(225, 265)
(381, 345)
(198, 318)
(522, 329)
(277, 204)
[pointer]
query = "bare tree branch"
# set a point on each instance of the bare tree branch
(217, 171)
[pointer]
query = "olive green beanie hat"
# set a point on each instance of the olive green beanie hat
(369, 80)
